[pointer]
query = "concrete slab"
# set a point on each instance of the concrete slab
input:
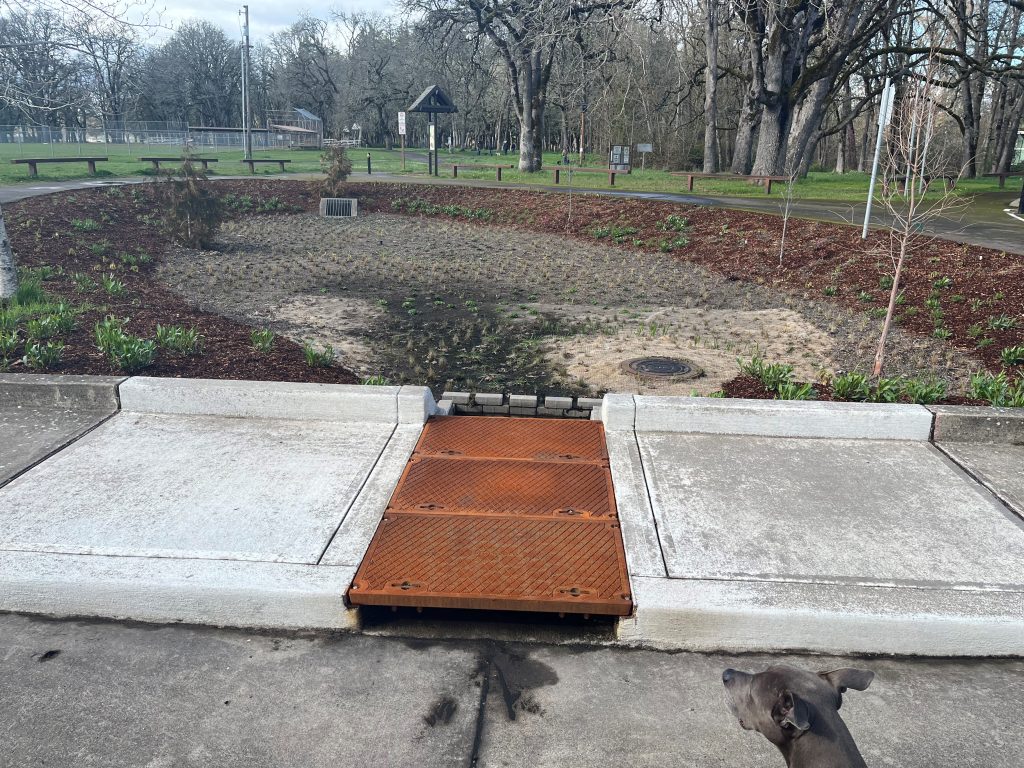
(998, 466)
(155, 485)
(173, 590)
(639, 529)
(869, 513)
(41, 414)
(978, 424)
(755, 616)
(125, 697)
(782, 418)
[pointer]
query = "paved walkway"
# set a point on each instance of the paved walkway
(747, 525)
(984, 222)
(122, 696)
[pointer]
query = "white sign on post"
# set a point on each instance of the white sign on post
(433, 137)
(401, 123)
(644, 148)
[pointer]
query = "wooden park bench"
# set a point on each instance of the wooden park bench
(157, 160)
(557, 173)
(252, 163)
(1002, 177)
(32, 162)
(471, 166)
(765, 179)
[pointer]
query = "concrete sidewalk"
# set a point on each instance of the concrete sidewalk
(102, 694)
(748, 525)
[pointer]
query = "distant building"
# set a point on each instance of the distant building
(296, 128)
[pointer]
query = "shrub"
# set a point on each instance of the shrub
(336, 166)
(191, 211)
(262, 339)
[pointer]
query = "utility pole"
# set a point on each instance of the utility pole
(246, 110)
(583, 125)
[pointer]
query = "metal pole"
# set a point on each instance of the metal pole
(883, 119)
(583, 123)
(1020, 203)
(246, 105)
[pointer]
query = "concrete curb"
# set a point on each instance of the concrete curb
(276, 400)
(41, 390)
(167, 590)
(736, 617)
(767, 418)
(978, 424)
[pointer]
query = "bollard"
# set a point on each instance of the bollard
(369, 168)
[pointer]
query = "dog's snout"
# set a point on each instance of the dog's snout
(728, 675)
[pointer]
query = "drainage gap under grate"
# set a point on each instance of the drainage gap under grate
(662, 368)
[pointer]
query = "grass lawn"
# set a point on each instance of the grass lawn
(850, 187)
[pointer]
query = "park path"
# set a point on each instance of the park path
(986, 223)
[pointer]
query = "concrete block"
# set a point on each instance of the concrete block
(595, 414)
(588, 402)
(459, 398)
(41, 390)
(174, 590)
(978, 424)
(541, 411)
(260, 399)
(575, 413)
(28, 434)
(488, 398)
(496, 409)
(560, 403)
(782, 418)
(444, 407)
(745, 616)
(522, 411)
(468, 410)
(415, 405)
(522, 401)
(997, 466)
(618, 412)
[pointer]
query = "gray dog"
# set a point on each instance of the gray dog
(798, 712)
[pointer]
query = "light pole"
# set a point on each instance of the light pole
(246, 111)
(583, 125)
(884, 112)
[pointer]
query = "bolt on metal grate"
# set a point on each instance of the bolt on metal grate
(338, 207)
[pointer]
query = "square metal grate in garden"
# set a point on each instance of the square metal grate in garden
(338, 207)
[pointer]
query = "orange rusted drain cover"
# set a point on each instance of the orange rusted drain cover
(501, 514)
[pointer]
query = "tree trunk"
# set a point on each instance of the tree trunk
(8, 272)
(531, 111)
(711, 90)
(804, 136)
(745, 135)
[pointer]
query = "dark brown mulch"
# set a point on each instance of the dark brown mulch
(126, 226)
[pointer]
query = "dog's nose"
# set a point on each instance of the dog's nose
(728, 675)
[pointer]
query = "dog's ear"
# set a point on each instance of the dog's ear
(791, 713)
(848, 677)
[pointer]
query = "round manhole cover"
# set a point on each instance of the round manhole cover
(662, 368)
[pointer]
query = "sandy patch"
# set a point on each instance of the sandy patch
(341, 321)
(713, 339)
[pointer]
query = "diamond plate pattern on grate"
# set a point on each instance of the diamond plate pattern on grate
(499, 437)
(496, 562)
(501, 514)
(499, 486)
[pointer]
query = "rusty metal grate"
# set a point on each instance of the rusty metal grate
(501, 514)
(499, 486)
(499, 437)
(502, 563)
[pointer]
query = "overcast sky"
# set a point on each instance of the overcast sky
(265, 16)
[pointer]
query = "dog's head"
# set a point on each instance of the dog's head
(783, 702)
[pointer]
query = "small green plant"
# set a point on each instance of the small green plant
(85, 225)
(336, 165)
(190, 209)
(942, 333)
(674, 223)
(772, 375)
(923, 392)
(41, 357)
(262, 340)
(975, 331)
(131, 354)
(791, 391)
(616, 232)
(997, 389)
(99, 249)
(83, 282)
(376, 381)
(112, 285)
(1012, 355)
(887, 390)
(885, 282)
(1001, 322)
(865, 296)
(108, 332)
(942, 282)
(9, 341)
(831, 290)
(30, 291)
(851, 386)
(178, 339)
(315, 358)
